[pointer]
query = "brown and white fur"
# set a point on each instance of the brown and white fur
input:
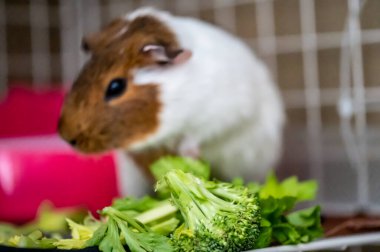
(193, 89)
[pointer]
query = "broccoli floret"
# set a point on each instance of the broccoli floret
(217, 216)
(165, 164)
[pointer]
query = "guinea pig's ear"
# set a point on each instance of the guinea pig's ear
(163, 55)
(87, 45)
(93, 43)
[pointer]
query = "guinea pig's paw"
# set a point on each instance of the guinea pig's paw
(189, 147)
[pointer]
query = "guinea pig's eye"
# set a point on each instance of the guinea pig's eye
(115, 88)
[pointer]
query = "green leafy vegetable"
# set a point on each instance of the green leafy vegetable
(111, 239)
(159, 216)
(163, 219)
(49, 220)
(123, 229)
(133, 204)
(279, 225)
(189, 213)
(80, 233)
(307, 223)
(290, 187)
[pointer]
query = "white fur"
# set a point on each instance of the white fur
(222, 98)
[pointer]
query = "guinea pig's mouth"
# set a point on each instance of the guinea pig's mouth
(89, 145)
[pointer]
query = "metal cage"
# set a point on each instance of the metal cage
(324, 55)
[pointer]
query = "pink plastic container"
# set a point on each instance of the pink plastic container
(25, 112)
(45, 168)
(36, 165)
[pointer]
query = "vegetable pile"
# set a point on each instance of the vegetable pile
(190, 212)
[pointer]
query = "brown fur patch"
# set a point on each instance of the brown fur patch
(101, 40)
(138, 33)
(99, 125)
(148, 30)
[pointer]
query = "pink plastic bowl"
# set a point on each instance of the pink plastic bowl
(36, 165)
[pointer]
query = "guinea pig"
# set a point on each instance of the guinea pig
(155, 81)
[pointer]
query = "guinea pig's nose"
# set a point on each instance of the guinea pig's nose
(66, 133)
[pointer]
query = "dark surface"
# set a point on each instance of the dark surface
(339, 226)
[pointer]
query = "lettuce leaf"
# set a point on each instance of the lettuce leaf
(122, 229)
(135, 204)
(290, 187)
(279, 225)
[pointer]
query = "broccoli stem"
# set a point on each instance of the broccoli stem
(225, 194)
(185, 200)
(164, 210)
(196, 203)
(221, 204)
(165, 227)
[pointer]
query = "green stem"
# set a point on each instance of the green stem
(124, 217)
(159, 212)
